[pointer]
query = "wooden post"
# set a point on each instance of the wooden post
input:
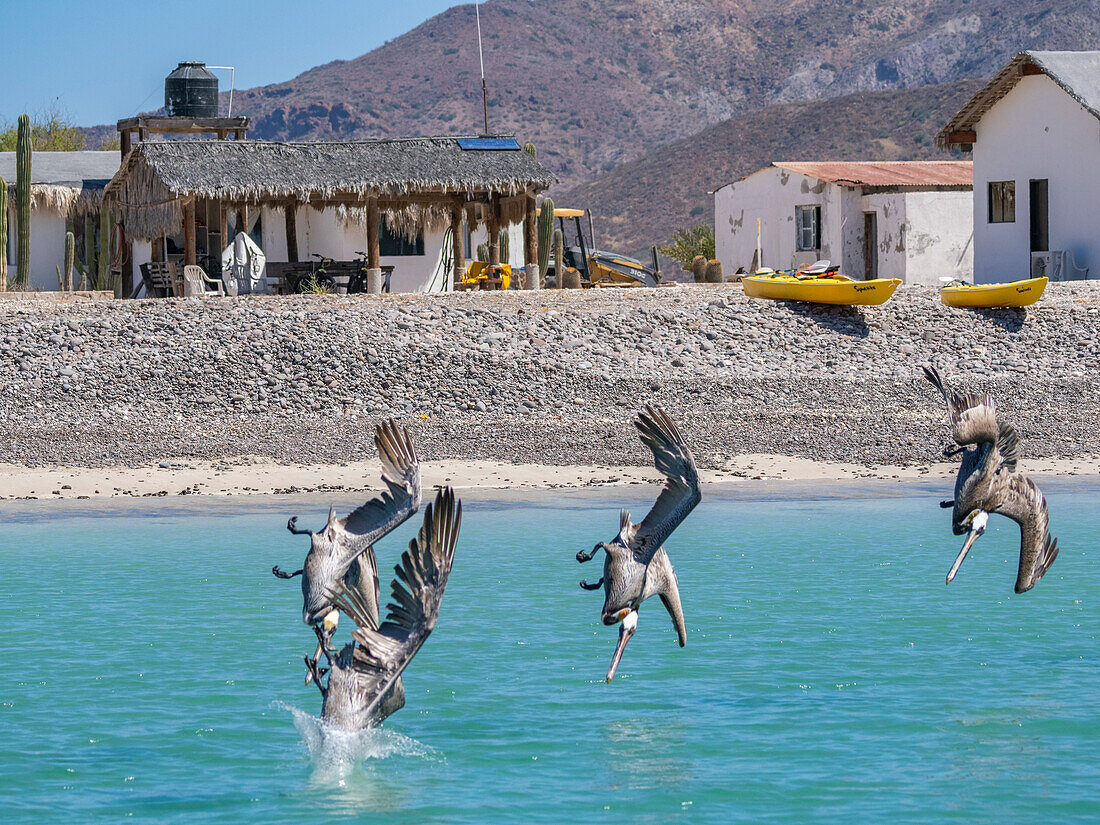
(128, 252)
(223, 225)
(190, 255)
(492, 227)
(458, 246)
(124, 142)
(157, 250)
(292, 231)
(373, 253)
(531, 244)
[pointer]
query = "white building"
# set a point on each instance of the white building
(876, 219)
(1036, 144)
(65, 186)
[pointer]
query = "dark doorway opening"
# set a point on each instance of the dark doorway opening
(870, 245)
(1037, 211)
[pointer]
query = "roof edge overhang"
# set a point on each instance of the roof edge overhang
(961, 130)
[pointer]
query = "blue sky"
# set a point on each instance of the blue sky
(100, 61)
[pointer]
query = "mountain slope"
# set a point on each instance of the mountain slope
(598, 82)
(642, 202)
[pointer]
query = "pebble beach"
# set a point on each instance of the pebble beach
(532, 378)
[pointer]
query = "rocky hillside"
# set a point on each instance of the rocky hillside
(598, 82)
(641, 202)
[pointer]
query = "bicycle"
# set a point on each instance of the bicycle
(357, 283)
(318, 280)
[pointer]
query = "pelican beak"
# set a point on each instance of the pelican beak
(977, 528)
(626, 630)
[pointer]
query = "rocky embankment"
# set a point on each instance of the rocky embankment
(548, 377)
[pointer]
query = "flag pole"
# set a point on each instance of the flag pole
(481, 60)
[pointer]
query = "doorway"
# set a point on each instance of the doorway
(870, 245)
(1037, 215)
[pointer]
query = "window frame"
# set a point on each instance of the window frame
(1001, 201)
(814, 227)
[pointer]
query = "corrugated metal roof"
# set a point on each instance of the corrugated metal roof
(1077, 73)
(77, 169)
(914, 173)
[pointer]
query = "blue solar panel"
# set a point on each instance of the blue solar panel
(486, 143)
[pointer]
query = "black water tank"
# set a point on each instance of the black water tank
(191, 91)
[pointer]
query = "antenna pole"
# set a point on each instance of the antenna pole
(481, 59)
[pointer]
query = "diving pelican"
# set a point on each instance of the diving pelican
(636, 565)
(988, 482)
(364, 678)
(334, 552)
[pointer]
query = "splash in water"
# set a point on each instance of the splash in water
(335, 752)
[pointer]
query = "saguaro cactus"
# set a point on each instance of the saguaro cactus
(502, 241)
(546, 236)
(483, 252)
(714, 271)
(23, 202)
(529, 148)
(3, 235)
(70, 258)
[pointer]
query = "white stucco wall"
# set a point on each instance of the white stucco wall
(322, 232)
(1036, 131)
(938, 236)
(772, 195)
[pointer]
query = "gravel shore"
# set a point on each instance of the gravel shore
(534, 377)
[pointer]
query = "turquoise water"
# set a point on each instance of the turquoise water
(152, 670)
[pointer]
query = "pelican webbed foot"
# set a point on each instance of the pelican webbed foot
(583, 556)
(945, 505)
(595, 586)
(282, 574)
(951, 451)
(292, 526)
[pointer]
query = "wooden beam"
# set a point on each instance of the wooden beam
(1030, 69)
(291, 211)
(458, 246)
(962, 137)
(373, 253)
(190, 254)
(162, 124)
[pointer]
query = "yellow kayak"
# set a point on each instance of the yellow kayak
(1014, 294)
(828, 289)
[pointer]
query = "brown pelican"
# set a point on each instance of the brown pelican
(334, 552)
(988, 482)
(364, 680)
(636, 565)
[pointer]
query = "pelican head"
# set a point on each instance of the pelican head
(976, 522)
(626, 630)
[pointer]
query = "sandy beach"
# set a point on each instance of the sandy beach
(253, 476)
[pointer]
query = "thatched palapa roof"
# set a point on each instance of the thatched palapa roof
(69, 183)
(409, 176)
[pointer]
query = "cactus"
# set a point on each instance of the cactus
(699, 269)
(70, 257)
(3, 235)
(483, 252)
(529, 148)
(714, 272)
(571, 278)
(502, 240)
(559, 258)
(545, 237)
(23, 203)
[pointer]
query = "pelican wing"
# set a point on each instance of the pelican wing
(681, 491)
(382, 653)
(972, 416)
(401, 474)
(1025, 504)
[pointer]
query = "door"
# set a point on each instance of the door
(1037, 215)
(870, 245)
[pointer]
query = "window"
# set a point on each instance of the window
(392, 243)
(808, 221)
(1002, 201)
